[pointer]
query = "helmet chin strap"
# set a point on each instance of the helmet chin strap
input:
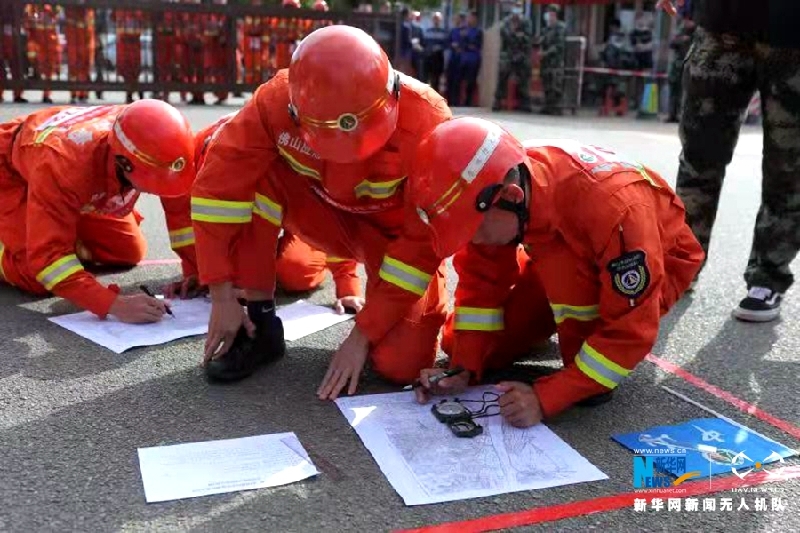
(521, 208)
(485, 201)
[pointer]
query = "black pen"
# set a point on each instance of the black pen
(433, 380)
(150, 294)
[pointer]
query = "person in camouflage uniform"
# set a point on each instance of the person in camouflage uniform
(737, 51)
(680, 44)
(516, 36)
(553, 55)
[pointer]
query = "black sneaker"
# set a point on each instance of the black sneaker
(246, 355)
(760, 305)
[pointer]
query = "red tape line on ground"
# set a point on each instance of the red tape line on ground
(607, 503)
(742, 405)
(147, 262)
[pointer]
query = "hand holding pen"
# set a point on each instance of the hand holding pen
(435, 381)
(145, 290)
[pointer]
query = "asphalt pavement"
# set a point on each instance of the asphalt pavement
(72, 414)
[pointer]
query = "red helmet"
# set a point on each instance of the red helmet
(454, 164)
(346, 109)
(292, 3)
(153, 143)
(320, 5)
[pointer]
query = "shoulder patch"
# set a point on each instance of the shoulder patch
(630, 276)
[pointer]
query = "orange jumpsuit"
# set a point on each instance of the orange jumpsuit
(299, 268)
(9, 59)
(216, 51)
(166, 57)
(610, 254)
(61, 203)
(260, 176)
(130, 25)
(79, 33)
(255, 49)
(44, 48)
(285, 36)
(194, 43)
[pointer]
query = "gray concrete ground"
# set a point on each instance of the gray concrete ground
(72, 414)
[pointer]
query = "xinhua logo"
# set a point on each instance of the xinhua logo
(649, 471)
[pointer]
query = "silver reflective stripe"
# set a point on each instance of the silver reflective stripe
(54, 276)
(178, 239)
(225, 212)
(269, 210)
(597, 366)
(376, 189)
(406, 277)
(472, 318)
(562, 312)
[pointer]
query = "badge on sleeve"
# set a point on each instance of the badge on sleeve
(629, 274)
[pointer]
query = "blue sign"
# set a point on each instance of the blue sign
(706, 445)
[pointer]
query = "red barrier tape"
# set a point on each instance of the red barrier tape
(606, 503)
(783, 425)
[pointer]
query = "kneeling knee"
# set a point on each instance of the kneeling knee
(406, 350)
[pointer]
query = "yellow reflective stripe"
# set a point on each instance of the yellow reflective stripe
(404, 276)
(583, 313)
(600, 368)
(377, 189)
(59, 270)
(297, 166)
(479, 318)
(221, 211)
(40, 138)
(181, 237)
(332, 259)
(268, 210)
(2, 253)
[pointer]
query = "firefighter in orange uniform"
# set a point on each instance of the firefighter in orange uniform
(610, 254)
(255, 49)
(79, 30)
(216, 52)
(130, 25)
(300, 267)
(9, 58)
(329, 163)
(320, 5)
(166, 57)
(44, 48)
(285, 34)
(73, 175)
(194, 42)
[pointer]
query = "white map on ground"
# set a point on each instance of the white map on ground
(189, 318)
(426, 463)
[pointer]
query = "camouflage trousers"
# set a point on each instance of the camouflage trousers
(522, 74)
(553, 85)
(721, 75)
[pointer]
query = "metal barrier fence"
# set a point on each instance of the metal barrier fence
(160, 47)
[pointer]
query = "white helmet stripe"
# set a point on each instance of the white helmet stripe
(123, 139)
(482, 154)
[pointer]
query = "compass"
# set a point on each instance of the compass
(465, 429)
(449, 411)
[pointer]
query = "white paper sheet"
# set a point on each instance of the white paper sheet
(190, 318)
(202, 468)
(302, 318)
(426, 463)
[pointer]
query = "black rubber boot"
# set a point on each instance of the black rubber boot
(247, 354)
